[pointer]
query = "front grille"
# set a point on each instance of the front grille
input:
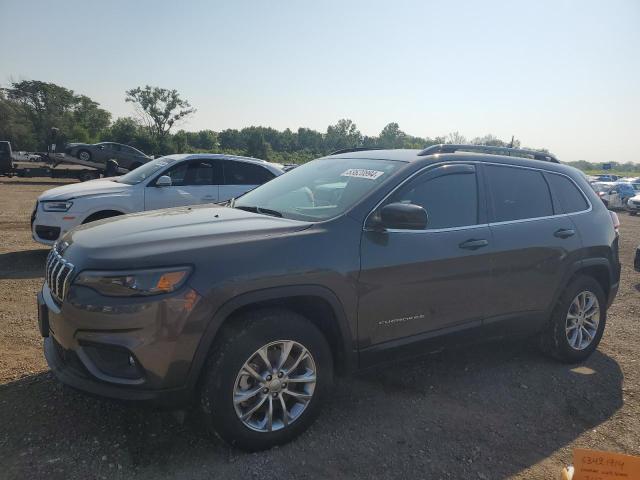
(58, 275)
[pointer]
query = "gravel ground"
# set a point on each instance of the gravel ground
(499, 410)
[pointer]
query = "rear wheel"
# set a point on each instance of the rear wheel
(266, 378)
(633, 213)
(86, 176)
(577, 322)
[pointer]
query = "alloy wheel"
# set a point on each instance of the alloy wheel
(582, 321)
(274, 386)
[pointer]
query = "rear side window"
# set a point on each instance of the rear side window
(450, 200)
(518, 194)
(243, 173)
(569, 196)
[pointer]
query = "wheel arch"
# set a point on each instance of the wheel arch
(317, 303)
(101, 214)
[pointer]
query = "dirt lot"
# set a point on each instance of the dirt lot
(494, 411)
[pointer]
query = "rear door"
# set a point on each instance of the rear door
(535, 244)
(415, 282)
(192, 182)
(240, 177)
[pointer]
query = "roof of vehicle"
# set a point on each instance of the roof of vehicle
(415, 155)
(220, 156)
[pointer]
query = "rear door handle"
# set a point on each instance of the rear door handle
(474, 244)
(564, 233)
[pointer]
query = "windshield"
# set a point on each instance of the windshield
(318, 190)
(144, 171)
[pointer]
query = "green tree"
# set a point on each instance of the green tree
(391, 136)
(343, 134)
(159, 108)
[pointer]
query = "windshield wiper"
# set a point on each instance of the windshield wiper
(263, 211)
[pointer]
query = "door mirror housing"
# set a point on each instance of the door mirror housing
(163, 181)
(403, 216)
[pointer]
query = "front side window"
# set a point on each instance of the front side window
(319, 190)
(450, 199)
(518, 193)
(244, 173)
(195, 172)
(145, 171)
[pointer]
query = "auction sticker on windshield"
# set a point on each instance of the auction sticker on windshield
(362, 173)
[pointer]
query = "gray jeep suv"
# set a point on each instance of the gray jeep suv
(350, 260)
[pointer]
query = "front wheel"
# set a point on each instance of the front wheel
(266, 378)
(578, 320)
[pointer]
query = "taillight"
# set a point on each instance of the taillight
(616, 220)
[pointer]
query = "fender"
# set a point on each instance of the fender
(348, 347)
(577, 266)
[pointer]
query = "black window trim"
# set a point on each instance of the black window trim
(554, 201)
(483, 195)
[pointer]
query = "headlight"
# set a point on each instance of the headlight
(135, 283)
(56, 206)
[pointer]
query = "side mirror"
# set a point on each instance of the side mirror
(101, 147)
(613, 192)
(403, 216)
(163, 181)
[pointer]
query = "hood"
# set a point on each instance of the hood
(99, 186)
(168, 235)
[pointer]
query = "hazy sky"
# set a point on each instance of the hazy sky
(564, 75)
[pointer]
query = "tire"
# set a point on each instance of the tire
(86, 176)
(560, 343)
(84, 155)
(222, 379)
(633, 213)
(94, 217)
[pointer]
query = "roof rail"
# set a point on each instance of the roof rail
(354, 149)
(510, 152)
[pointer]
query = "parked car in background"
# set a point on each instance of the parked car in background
(343, 263)
(615, 195)
(170, 181)
(126, 156)
(633, 204)
(606, 178)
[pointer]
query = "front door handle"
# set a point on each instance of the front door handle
(564, 233)
(474, 244)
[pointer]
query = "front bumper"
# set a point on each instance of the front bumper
(633, 205)
(159, 336)
(47, 227)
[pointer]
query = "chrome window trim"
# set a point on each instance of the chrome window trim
(469, 227)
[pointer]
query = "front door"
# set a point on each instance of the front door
(192, 182)
(414, 282)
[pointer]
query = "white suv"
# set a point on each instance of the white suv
(170, 181)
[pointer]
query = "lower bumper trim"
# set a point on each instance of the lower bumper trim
(71, 377)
